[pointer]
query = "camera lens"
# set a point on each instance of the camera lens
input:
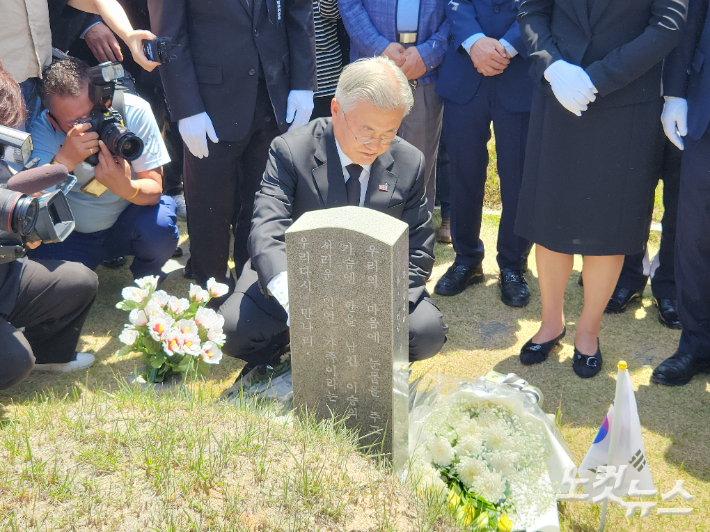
(129, 146)
(18, 212)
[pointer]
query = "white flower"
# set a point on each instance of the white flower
(137, 295)
(206, 317)
(469, 445)
(138, 317)
(468, 469)
(128, 336)
(187, 326)
(148, 283)
(504, 462)
(216, 335)
(198, 294)
(490, 486)
(216, 289)
(178, 306)
(497, 438)
(211, 353)
(153, 311)
(191, 344)
(441, 451)
(159, 298)
(172, 342)
(159, 327)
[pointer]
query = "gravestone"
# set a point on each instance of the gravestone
(348, 281)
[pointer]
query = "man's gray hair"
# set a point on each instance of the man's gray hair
(376, 80)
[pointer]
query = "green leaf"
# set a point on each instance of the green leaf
(127, 305)
(125, 350)
(157, 361)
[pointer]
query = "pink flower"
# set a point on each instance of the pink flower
(215, 334)
(178, 306)
(138, 317)
(198, 295)
(186, 327)
(159, 298)
(159, 327)
(148, 283)
(173, 342)
(216, 289)
(211, 353)
(206, 317)
(128, 336)
(191, 344)
(131, 293)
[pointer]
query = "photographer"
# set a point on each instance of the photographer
(49, 299)
(118, 208)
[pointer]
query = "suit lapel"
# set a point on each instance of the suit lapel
(328, 173)
(597, 10)
(382, 183)
(247, 7)
(580, 6)
(257, 9)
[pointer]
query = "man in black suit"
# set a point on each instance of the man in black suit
(686, 113)
(243, 71)
(333, 163)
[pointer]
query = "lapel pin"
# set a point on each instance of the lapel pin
(385, 187)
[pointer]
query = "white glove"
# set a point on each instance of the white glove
(278, 286)
(675, 119)
(299, 107)
(571, 86)
(194, 131)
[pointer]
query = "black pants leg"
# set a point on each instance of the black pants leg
(692, 254)
(53, 302)
(219, 192)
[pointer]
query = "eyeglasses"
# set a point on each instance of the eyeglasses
(384, 141)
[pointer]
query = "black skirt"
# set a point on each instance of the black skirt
(588, 183)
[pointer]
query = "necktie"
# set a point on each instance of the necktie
(352, 185)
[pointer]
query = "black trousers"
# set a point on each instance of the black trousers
(255, 325)
(663, 282)
(466, 131)
(219, 192)
(54, 299)
(692, 253)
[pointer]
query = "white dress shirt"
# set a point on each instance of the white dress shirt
(468, 43)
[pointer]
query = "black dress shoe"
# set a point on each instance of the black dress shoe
(514, 290)
(587, 366)
(532, 353)
(188, 272)
(457, 278)
(177, 253)
(679, 369)
(114, 263)
(620, 299)
(668, 313)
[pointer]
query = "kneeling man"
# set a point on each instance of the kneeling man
(124, 212)
(332, 163)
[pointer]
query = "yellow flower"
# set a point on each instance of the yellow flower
(505, 524)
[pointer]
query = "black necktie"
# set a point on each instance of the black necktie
(352, 185)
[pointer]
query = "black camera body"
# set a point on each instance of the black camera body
(159, 49)
(105, 120)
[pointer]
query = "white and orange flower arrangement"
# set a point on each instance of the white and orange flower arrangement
(174, 335)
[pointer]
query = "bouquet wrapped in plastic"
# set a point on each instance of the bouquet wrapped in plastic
(490, 450)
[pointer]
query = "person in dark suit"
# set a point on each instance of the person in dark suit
(593, 151)
(333, 163)
(485, 79)
(244, 70)
(686, 113)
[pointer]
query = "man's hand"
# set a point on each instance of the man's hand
(395, 52)
(299, 106)
(571, 86)
(194, 130)
(103, 44)
(413, 66)
(114, 173)
(78, 145)
(134, 40)
(489, 56)
(675, 119)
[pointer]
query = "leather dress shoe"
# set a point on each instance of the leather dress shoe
(620, 299)
(679, 369)
(114, 263)
(668, 313)
(587, 366)
(514, 290)
(457, 278)
(188, 272)
(532, 353)
(443, 234)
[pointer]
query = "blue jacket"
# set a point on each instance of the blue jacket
(458, 79)
(686, 72)
(372, 26)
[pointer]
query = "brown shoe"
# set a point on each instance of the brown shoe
(443, 234)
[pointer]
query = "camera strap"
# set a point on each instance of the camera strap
(119, 104)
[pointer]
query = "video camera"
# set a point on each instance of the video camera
(104, 119)
(23, 217)
(159, 49)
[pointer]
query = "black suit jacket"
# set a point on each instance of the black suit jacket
(222, 45)
(620, 43)
(304, 174)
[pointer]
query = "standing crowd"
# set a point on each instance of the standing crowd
(266, 109)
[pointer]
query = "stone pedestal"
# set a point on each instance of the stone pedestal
(348, 284)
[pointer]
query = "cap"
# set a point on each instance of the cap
(622, 364)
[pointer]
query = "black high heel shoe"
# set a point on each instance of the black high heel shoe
(587, 366)
(532, 353)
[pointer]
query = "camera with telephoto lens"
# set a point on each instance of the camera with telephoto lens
(105, 120)
(15, 146)
(159, 49)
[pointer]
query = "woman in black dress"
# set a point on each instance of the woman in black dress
(593, 150)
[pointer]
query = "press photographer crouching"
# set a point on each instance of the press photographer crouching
(49, 299)
(118, 207)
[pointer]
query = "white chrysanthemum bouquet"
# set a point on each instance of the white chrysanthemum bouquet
(490, 463)
(175, 335)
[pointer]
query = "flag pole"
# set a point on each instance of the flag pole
(614, 436)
